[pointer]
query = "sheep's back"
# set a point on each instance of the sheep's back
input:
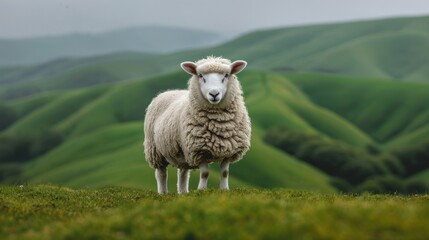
(162, 122)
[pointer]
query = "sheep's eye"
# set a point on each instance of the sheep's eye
(201, 76)
(226, 76)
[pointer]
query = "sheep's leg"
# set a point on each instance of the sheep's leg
(204, 176)
(182, 180)
(224, 172)
(161, 180)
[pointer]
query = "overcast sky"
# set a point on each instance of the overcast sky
(22, 18)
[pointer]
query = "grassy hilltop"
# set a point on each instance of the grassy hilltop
(48, 212)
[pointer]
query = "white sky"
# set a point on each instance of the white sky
(23, 18)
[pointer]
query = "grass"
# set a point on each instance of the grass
(50, 212)
(393, 113)
(103, 126)
(85, 162)
(50, 114)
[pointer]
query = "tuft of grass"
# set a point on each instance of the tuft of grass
(50, 212)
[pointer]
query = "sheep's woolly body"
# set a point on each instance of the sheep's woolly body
(183, 129)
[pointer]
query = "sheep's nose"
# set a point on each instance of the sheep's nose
(214, 93)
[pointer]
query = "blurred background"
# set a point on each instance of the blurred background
(337, 91)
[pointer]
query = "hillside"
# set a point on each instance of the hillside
(364, 49)
(368, 49)
(103, 129)
(394, 114)
(78, 122)
(103, 132)
(49, 212)
(74, 73)
(152, 39)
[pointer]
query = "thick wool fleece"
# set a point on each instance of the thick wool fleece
(183, 129)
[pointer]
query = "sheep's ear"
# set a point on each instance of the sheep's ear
(238, 66)
(189, 67)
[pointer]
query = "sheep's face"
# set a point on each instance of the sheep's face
(213, 86)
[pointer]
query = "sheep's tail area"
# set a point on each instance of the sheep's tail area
(158, 105)
(152, 156)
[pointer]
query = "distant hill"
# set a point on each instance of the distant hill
(396, 48)
(351, 88)
(102, 127)
(393, 113)
(384, 49)
(143, 39)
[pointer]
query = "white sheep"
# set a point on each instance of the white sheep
(206, 123)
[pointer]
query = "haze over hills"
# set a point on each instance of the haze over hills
(386, 49)
(349, 87)
(150, 39)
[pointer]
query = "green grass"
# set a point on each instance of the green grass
(103, 127)
(49, 212)
(103, 133)
(291, 109)
(393, 113)
(111, 156)
(49, 114)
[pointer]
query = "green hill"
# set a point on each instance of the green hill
(102, 127)
(103, 131)
(388, 49)
(74, 73)
(368, 48)
(393, 113)
(49, 212)
(153, 39)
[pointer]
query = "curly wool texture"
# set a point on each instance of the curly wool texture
(213, 65)
(183, 129)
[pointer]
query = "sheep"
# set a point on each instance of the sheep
(192, 128)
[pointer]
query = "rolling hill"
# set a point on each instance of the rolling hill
(152, 39)
(393, 113)
(103, 131)
(75, 73)
(384, 49)
(97, 103)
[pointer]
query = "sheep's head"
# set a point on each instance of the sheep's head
(213, 75)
